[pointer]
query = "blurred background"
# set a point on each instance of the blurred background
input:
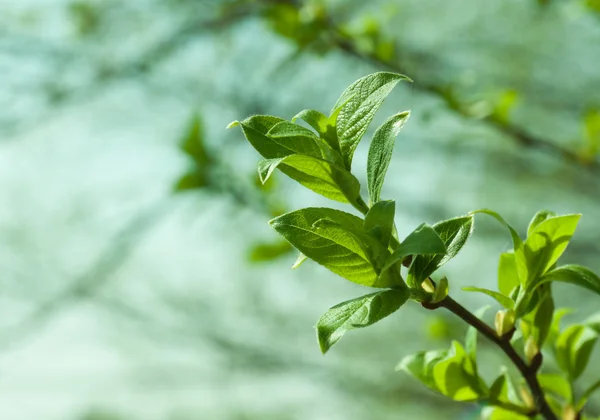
(138, 276)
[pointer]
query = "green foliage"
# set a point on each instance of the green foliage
(358, 313)
(367, 251)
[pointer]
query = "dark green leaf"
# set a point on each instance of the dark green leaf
(256, 128)
(454, 234)
(193, 142)
(362, 99)
(423, 240)
(499, 297)
(357, 313)
(380, 153)
(191, 181)
(538, 321)
(380, 221)
(341, 251)
(318, 175)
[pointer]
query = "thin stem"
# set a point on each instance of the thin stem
(528, 372)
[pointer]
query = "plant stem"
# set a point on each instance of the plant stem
(528, 372)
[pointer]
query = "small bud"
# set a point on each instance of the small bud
(441, 290)
(531, 349)
(505, 322)
(527, 397)
(569, 413)
(428, 286)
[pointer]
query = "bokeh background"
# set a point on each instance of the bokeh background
(139, 279)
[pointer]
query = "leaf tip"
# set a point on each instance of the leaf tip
(232, 124)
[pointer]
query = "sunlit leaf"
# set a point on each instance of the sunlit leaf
(556, 384)
(573, 349)
(572, 274)
(358, 313)
(422, 241)
(508, 277)
(499, 297)
(380, 220)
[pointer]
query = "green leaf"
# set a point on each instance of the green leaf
(324, 126)
(508, 277)
(340, 251)
(573, 274)
(594, 322)
(420, 365)
(256, 128)
(538, 218)
(573, 348)
(504, 394)
(454, 234)
(498, 413)
(422, 241)
(538, 322)
(318, 175)
(362, 100)
(588, 393)
(269, 251)
(300, 140)
(556, 384)
(191, 181)
(192, 143)
(357, 313)
(455, 376)
(546, 243)
(499, 297)
(555, 325)
(380, 153)
(379, 221)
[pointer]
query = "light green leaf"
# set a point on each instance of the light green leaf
(318, 175)
(504, 394)
(269, 251)
(556, 384)
(420, 365)
(455, 376)
(256, 128)
(498, 413)
(323, 125)
(499, 297)
(594, 322)
(192, 143)
(379, 221)
(380, 153)
(454, 234)
(423, 240)
(588, 393)
(302, 141)
(573, 274)
(340, 251)
(362, 100)
(357, 313)
(538, 218)
(471, 337)
(508, 277)
(555, 325)
(573, 348)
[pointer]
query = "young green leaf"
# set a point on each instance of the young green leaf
(456, 377)
(340, 251)
(269, 251)
(573, 274)
(302, 141)
(546, 243)
(379, 221)
(555, 324)
(363, 98)
(380, 153)
(538, 218)
(538, 322)
(324, 126)
(454, 234)
(508, 277)
(420, 365)
(587, 394)
(320, 176)
(499, 297)
(504, 394)
(256, 128)
(573, 349)
(499, 413)
(424, 240)
(299, 261)
(358, 313)
(556, 384)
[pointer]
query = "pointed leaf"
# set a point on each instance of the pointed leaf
(573, 349)
(301, 258)
(422, 241)
(339, 251)
(380, 220)
(318, 175)
(538, 322)
(556, 384)
(503, 393)
(256, 128)
(357, 313)
(323, 125)
(420, 365)
(380, 153)
(499, 297)
(573, 274)
(363, 98)
(454, 233)
(539, 217)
